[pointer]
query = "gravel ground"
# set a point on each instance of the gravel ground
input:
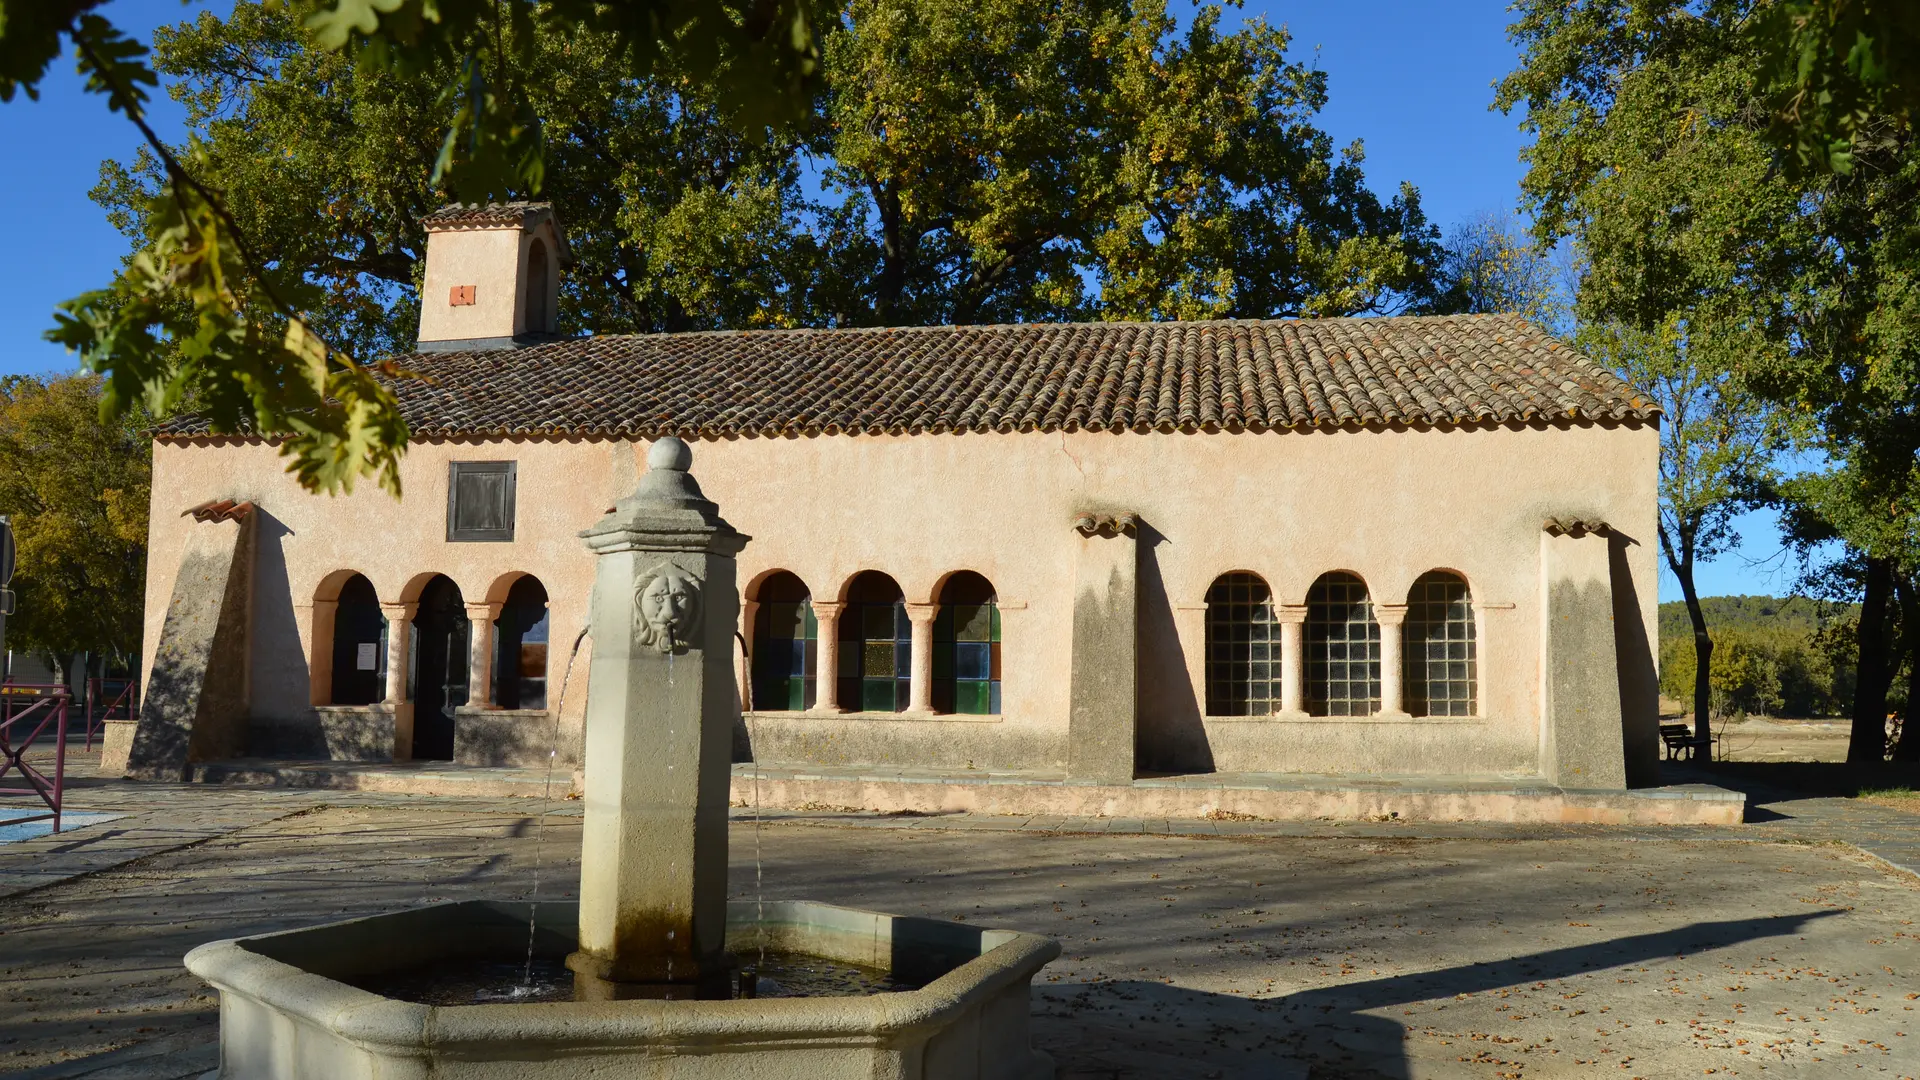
(1253, 956)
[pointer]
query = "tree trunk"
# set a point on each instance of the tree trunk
(1702, 664)
(1868, 742)
(1908, 748)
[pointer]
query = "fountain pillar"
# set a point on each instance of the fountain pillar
(659, 741)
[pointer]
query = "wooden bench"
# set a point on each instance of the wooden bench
(1681, 742)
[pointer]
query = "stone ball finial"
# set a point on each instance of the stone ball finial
(670, 453)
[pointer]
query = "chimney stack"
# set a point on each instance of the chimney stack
(493, 276)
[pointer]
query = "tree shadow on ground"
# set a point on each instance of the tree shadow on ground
(1122, 1029)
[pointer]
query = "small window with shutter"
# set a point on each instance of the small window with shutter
(480, 501)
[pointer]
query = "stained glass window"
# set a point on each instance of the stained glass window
(966, 647)
(520, 647)
(1243, 648)
(1438, 659)
(876, 646)
(785, 638)
(1342, 648)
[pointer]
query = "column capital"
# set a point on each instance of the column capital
(484, 610)
(398, 609)
(1390, 614)
(827, 609)
(1290, 613)
(922, 612)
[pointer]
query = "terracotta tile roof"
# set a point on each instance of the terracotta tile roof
(490, 215)
(1202, 376)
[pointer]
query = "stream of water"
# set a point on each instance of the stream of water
(527, 985)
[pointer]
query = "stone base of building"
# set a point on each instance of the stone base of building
(1235, 796)
(1227, 796)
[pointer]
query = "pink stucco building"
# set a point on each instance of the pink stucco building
(1408, 546)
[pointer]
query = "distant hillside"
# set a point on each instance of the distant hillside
(1753, 612)
(1772, 656)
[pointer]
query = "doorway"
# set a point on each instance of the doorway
(437, 675)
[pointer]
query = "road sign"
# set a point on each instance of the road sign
(6, 553)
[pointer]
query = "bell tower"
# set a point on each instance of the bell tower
(493, 276)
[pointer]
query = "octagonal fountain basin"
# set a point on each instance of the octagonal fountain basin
(917, 999)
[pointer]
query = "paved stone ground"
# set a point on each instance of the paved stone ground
(1193, 949)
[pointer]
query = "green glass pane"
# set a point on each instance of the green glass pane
(970, 697)
(796, 694)
(877, 659)
(876, 621)
(876, 695)
(809, 624)
(973, 622)
(996, 622)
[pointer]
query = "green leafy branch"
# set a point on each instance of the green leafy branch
(196, 320)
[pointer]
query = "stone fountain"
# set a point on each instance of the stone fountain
(652, 944)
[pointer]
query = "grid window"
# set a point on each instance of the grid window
(785, 640)
(1440, 667)
(876, 646)
(966, 647)
(1243, 648)
(1342, 648)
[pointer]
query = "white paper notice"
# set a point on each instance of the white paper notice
(369, 657)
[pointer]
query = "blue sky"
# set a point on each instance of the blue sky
(1412, 78)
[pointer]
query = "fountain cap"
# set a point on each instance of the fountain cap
(666, 511)
(671, 453)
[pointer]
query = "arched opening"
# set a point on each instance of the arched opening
(785, 638)
(539, 317)
(359, 645)
(1243, 647)
(876, 645)
(1342, 648)
(437, 675)
(1439, 665)
(966, 647)
(520, 647)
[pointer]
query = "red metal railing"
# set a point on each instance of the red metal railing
(44, 707)
(121, 707)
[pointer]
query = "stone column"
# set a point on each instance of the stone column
(480, 633)
(1293, 617)
(399, 632)
(1103, 694)
(826, 675)
(399, 622)
(920, 690)
(1582, 737)
(1391, 617)
(660, 719)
